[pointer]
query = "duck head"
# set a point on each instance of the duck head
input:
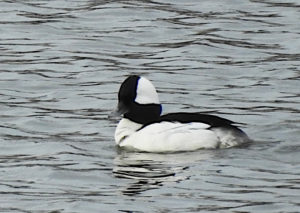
(138, 100)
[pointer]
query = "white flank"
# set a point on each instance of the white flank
(165, 136)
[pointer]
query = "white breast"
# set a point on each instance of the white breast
(124, 129)
(165, 136)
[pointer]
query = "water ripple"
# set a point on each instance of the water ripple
(61, 66)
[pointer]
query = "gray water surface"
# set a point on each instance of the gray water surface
(61, 65)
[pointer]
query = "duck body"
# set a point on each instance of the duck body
(142, 127)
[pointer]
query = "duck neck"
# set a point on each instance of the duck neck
(143, 113)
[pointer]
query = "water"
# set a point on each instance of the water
(61, 65)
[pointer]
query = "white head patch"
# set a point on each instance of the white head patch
(145, 92)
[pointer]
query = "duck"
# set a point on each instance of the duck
(143, 128)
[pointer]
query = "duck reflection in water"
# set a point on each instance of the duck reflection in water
(152, 170)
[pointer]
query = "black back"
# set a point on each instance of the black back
(185, 117)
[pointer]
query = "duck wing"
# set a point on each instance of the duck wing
(185, 117)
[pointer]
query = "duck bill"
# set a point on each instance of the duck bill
(121, 109)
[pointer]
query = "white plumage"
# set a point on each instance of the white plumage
(165, 136)
(146, 93)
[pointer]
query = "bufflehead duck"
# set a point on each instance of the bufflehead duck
(143, 128)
